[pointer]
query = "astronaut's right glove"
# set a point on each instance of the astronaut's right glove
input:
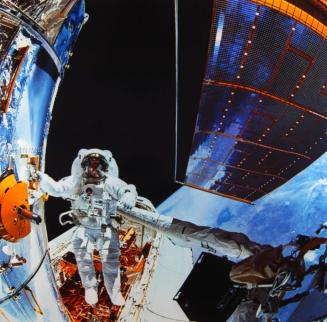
(40, 175)
(128, 200)
(42, 178)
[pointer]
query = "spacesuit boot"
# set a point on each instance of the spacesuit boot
(91, 296)
(117, 298)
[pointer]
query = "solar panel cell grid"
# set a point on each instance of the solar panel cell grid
(310, 92)
(262, 116)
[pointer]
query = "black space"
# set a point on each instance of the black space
(119, 94)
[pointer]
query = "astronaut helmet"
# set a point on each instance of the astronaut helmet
(79, 171)
(95, 167)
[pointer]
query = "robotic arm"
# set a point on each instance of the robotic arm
(186, 234)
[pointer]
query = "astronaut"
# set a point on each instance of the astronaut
(95, 191)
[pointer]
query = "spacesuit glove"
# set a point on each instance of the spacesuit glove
(41, 178)
(128, 200)
(40, 175)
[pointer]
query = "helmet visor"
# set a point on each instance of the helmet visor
(94, 167)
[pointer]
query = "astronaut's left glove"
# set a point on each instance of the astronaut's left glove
(128, 200)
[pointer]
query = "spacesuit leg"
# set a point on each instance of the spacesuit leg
(109, 251)
(84, 259)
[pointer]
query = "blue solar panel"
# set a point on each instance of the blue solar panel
(262, 115)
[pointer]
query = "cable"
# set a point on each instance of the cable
(16, 292)
(165, 317)
(176, 87)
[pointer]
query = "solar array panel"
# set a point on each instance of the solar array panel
(262, 116)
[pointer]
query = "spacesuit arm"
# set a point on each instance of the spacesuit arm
(126, 194)
(61, 188)
(127, 189)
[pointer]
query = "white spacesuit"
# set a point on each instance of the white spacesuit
(94, 190)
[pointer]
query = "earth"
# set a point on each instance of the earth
(297, 207)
